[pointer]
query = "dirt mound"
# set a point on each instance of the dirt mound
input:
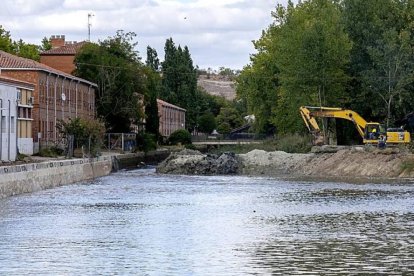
(347, 163)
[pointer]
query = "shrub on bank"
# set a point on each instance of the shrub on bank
(181, 136)
(146, 142)
(50, 152)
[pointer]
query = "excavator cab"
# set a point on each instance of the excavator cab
(372, 132)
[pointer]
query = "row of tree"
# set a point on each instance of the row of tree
(128, 88)
(21, 48)
(341, 53)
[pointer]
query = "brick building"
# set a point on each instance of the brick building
(56, 95)
(62, 54)
(15, 118)
(171, 117)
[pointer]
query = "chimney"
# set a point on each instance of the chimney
(57, 41)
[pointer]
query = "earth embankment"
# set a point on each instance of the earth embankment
(345, 163)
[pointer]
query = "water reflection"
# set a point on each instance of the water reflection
(141, 223)
(354, 243)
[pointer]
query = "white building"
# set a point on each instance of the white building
(15, 118)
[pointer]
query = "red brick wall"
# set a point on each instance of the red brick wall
(63, 63)
(80, 101)
(171, 119)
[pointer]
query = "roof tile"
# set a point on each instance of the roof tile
(67, 49)
(12, 62)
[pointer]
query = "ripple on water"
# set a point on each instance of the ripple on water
(138, 222)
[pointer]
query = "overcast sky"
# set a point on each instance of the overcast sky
(217, 32)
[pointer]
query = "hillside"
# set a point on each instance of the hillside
(217, 86)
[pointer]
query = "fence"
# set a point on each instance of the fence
(125, 142)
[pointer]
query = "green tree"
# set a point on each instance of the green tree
(207, 123)
(153, 85)
(228, 119)
(312, 55)
(26, 50)
(380, 58)
(180, 81)
(301, 60)
(392, 72)
(152, 59)
(116, 67)
(6, 43)
(46, 45)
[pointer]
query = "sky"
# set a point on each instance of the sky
(217, 32)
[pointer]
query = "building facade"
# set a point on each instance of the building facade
(171, 118)
(15, 118)
(56, 95)
(62, 55)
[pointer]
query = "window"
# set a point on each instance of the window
(3, 124)
(12, 124)
(19, 95)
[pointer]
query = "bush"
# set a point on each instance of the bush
(50, 152)
(87, 133)
(207, 123)
(181, 136)
(146, 142)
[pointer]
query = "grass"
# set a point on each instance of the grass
(407, 166)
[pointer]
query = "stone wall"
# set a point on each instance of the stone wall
(34, 177)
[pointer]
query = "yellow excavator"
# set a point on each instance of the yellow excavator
(371, 132)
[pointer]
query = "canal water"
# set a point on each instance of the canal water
(141, 223)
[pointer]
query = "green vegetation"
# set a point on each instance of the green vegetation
(146, 142)
(86, 133)
(207, 123)
(407, 166)
(116, 67)
(329, 53)
(50, 152)
(19, 48)
(181, 136)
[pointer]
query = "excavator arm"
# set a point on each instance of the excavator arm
(309, 113)
(365, 129)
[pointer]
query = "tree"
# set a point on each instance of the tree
(301, 60)
(313, 53)
(6, 43)
(207, 123)
(26, 50)
(46, 45)
(19, 48)
(116, 67)
(228, 119)
(380, 59)
(393, 67)
(153, 85)
(180, 81)
(152, 59)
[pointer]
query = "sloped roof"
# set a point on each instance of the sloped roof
(5, 79)
(67, 49)
(164, 103)
(12, 62)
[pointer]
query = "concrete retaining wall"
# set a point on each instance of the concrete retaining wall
(29, 178)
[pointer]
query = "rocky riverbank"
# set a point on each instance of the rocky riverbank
(342, 163)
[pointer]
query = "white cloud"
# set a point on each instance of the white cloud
(218, 33)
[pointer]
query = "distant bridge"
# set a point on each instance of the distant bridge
(226, 142)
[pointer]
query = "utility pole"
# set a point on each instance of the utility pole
(89, 25)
